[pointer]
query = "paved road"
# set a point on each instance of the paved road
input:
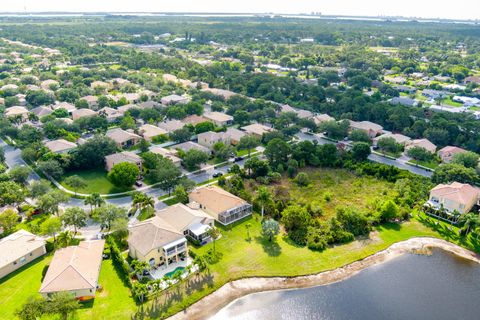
(399, 163)
(13, 158)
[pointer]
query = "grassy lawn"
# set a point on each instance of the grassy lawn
(428, 164)
(96, 180)
(114, 302)
(17, 287)
(341, 186)
(449, 102)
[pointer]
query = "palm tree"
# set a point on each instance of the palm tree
(64, 239)
(148, 201)
(214, 233)
(263, 197)
(469, 221)
(94, 200)
(247, 226)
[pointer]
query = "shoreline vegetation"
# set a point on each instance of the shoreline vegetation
(209, 305)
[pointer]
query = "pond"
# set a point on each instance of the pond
(436, 287)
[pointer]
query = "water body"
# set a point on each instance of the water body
(436, 287)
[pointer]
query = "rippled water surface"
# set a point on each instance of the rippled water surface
(434, 287)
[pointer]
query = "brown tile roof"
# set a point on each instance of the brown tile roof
(216, 199)
(152, 234)
(74, 268)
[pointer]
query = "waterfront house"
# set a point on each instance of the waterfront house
(156, 242)
(223, 206)
(455, 196)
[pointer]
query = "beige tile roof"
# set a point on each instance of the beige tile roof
(194, 119)
(365, 125)
(151, 234)
(120, 136)
(422, 143)
(60, 145)
(41, 111)
(150, 131)
(218, 116)
(450, 150)
(65, 105)
(226, 94)
(124, 156)
(322, 118)
(17, 245)
(171, 125)
(15, 110)
(179, 216)
(216, 199)
(457, 192)
(257, 128)
(234, 134)
(399, 138)
(74, 267)
(80, 113)
(166, 153)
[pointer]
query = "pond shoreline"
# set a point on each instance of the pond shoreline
(214, 302)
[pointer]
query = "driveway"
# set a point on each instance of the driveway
(13, 158)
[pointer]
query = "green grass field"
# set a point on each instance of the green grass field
(96, 180)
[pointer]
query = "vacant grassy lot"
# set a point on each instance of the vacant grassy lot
(96, 180)
(336, 188)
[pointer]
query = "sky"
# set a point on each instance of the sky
(458, 9)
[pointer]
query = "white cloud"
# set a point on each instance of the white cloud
(461, 9)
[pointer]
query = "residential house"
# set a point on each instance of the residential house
(189, 145)
(452, 197)
(91, 100)
(302, 114)
(166, 153)
(234, 135)
(110, 114)
(399, 138)
(320, 118)
(18, 249)
(404, 101)
(81, 113)
(406, 89)
(101, 84)
(191, 221)
(447, 153)
(174, 99)
(194, 119)
(257, 129)
(171, 125)
(156, 242)
(434, 94)
(41, 111)
(46, 84)
(75, 269)
(225, 94)
(422, 143)
(64, 105)
(148, 131)
(219, 118)
(209, 139)
(372, 129)
(150, 104)
(223, 206)
(17, 112)
(472, 79)
(467, 101)
(60, 146)
(124, 156)
(125, 108)
(123, 138)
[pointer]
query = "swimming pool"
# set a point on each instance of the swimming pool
(171, 273)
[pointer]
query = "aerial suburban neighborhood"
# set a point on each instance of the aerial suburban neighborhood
(171, 165)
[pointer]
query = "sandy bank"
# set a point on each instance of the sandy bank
(212, 303)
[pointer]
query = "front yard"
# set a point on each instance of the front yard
(96, 180)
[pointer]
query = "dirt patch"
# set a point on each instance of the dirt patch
(212, 303)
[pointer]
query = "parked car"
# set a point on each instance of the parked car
(217, 174)
(238, 159)
(138, 183)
